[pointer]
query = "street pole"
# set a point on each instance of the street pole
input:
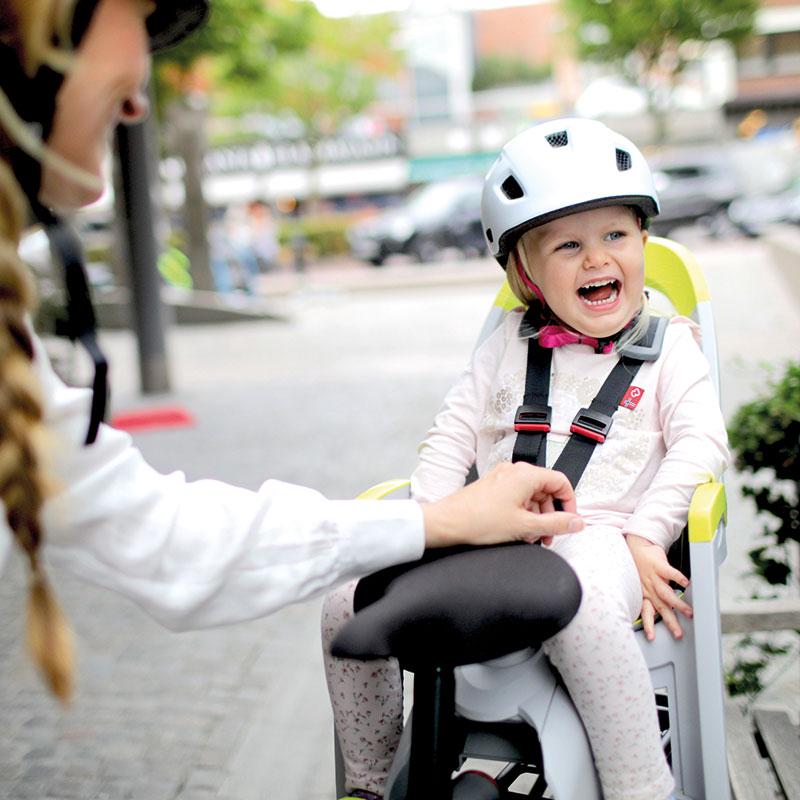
(142, 253)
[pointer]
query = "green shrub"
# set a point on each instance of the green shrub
(325, 234)
(765, 438)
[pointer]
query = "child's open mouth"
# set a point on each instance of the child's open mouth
(600, 293)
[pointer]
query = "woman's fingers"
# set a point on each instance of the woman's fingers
(546, 506)
(495, 508)
(553, 524)
(550, 485)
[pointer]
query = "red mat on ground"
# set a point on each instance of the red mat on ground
(152, 418)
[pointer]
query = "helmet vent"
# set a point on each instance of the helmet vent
(560, 139)
(624, 160)
(489, 235)
(511, 188)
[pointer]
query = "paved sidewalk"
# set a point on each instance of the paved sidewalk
(336, 398)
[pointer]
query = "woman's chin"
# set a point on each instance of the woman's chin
(64, 195)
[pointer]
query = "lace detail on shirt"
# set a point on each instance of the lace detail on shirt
(498, 418)
(501, 451)
(504, 401)
(583, 389)
(612, 471)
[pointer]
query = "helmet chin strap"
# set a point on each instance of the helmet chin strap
(525, 278)
(80, 324)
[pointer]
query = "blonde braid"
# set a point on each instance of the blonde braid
(23, 484)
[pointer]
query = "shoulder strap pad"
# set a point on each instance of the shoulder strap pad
(648, 347)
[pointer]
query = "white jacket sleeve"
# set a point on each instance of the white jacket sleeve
(695, 439)
(198, 554)
(449, 449)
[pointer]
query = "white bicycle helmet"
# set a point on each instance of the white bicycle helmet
(558, 168)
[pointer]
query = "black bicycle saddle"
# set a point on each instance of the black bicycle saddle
(460, 606)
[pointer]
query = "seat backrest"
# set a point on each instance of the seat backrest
(670, 269)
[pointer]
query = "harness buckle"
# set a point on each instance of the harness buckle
(591, 424)
(533, 418)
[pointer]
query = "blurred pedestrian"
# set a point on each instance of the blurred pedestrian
(221, 252)
(263, 235)
(240, 241)
(192, 554)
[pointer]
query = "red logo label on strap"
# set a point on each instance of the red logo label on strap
(632, 397)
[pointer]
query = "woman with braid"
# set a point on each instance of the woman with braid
(191, 554)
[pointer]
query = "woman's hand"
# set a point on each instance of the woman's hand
(655, 573)
(512, 502)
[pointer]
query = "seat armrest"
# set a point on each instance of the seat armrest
(385, 489)
(708, 508)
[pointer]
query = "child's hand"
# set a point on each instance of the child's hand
(655, 573)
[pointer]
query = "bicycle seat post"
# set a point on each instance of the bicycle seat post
(433, 745)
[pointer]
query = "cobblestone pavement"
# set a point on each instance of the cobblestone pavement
(337, 398)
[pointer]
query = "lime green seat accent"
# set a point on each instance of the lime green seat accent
(381, 490)
(671, 269)
(506, 299)
(708, 508)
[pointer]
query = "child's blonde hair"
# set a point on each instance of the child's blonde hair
(30, 27)
(519, 258)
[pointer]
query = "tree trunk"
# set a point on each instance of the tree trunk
(190, 144)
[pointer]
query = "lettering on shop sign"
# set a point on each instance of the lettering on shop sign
(267, 155)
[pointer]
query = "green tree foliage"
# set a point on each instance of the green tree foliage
(765, 437)
(338, 75)
(493, 71)
(282, 55)
(238, 47)
(645, 36)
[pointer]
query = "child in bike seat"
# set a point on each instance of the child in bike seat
(565, 212)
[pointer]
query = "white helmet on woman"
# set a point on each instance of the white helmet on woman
(558, 168)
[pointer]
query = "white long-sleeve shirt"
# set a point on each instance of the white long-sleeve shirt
(198, 554)
(640, 480)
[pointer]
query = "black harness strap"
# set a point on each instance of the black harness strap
(591, 425)
(532, 420)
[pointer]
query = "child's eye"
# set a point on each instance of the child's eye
(567, 246)
(615, 235)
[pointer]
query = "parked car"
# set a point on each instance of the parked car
(752, 214)
(436, 216)
(692, 189)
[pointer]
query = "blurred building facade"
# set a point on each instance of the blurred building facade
(768, 69)
(431, 124)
